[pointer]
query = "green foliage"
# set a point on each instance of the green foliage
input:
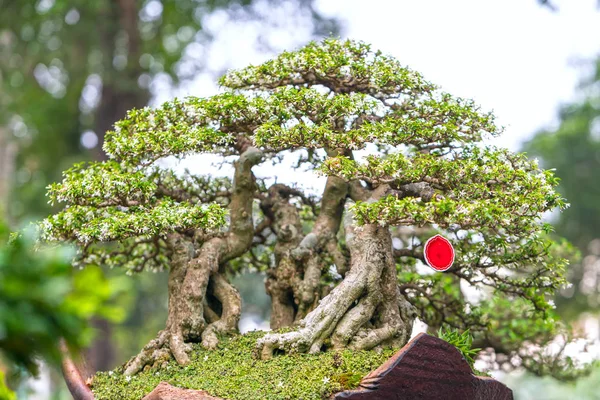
(88, 223)
(232, 372)
(513, 314)
(41, 301)
(110, 180)
(475, 187)
(304, 117)
(176, 128)
(360, 68)
(514, 322)
(5, 392)
(292, 117)
(405, 109)
(111, 202)
(462, 341)
(133, 210)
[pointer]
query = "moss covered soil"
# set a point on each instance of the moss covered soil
(231, 372)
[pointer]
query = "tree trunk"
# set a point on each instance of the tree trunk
(8, 150)
(294, 284)
(348, 316)
(196, 278)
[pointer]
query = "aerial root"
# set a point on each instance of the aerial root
(173, 341)
(354, 319)
(366, 339)
(354, 329)
(363, 312)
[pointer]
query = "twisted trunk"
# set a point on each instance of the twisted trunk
(294, 282)
(365, 310)
(196, 280)
(288, 228)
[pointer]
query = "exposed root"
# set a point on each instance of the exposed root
(395, 317)
(188, 281)
(349, 314)
(157, 352)
(354, 319)
(187, 295)
(318, 324)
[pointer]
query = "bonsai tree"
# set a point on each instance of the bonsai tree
(402, 161)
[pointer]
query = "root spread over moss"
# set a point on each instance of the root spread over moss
(233, 373)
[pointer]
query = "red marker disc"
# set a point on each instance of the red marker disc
(439, 253)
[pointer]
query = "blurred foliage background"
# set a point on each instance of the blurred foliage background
(43, 301)
(573, 149)
(70, 69)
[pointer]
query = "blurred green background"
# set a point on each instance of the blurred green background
(70, 69)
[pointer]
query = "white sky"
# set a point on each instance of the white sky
(514, 57)
(511, 56)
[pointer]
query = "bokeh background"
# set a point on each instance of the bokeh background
(70, 68)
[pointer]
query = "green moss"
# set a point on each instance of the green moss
(232, 373)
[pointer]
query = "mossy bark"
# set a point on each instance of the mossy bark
(366, 309)
(294, 282)
(196, 270)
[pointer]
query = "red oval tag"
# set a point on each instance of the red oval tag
(439, 253)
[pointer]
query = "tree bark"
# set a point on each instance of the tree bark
(288, 228)
(294, 282)
(347, 316)
(193, 271)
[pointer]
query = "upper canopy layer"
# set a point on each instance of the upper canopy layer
(326, 95)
